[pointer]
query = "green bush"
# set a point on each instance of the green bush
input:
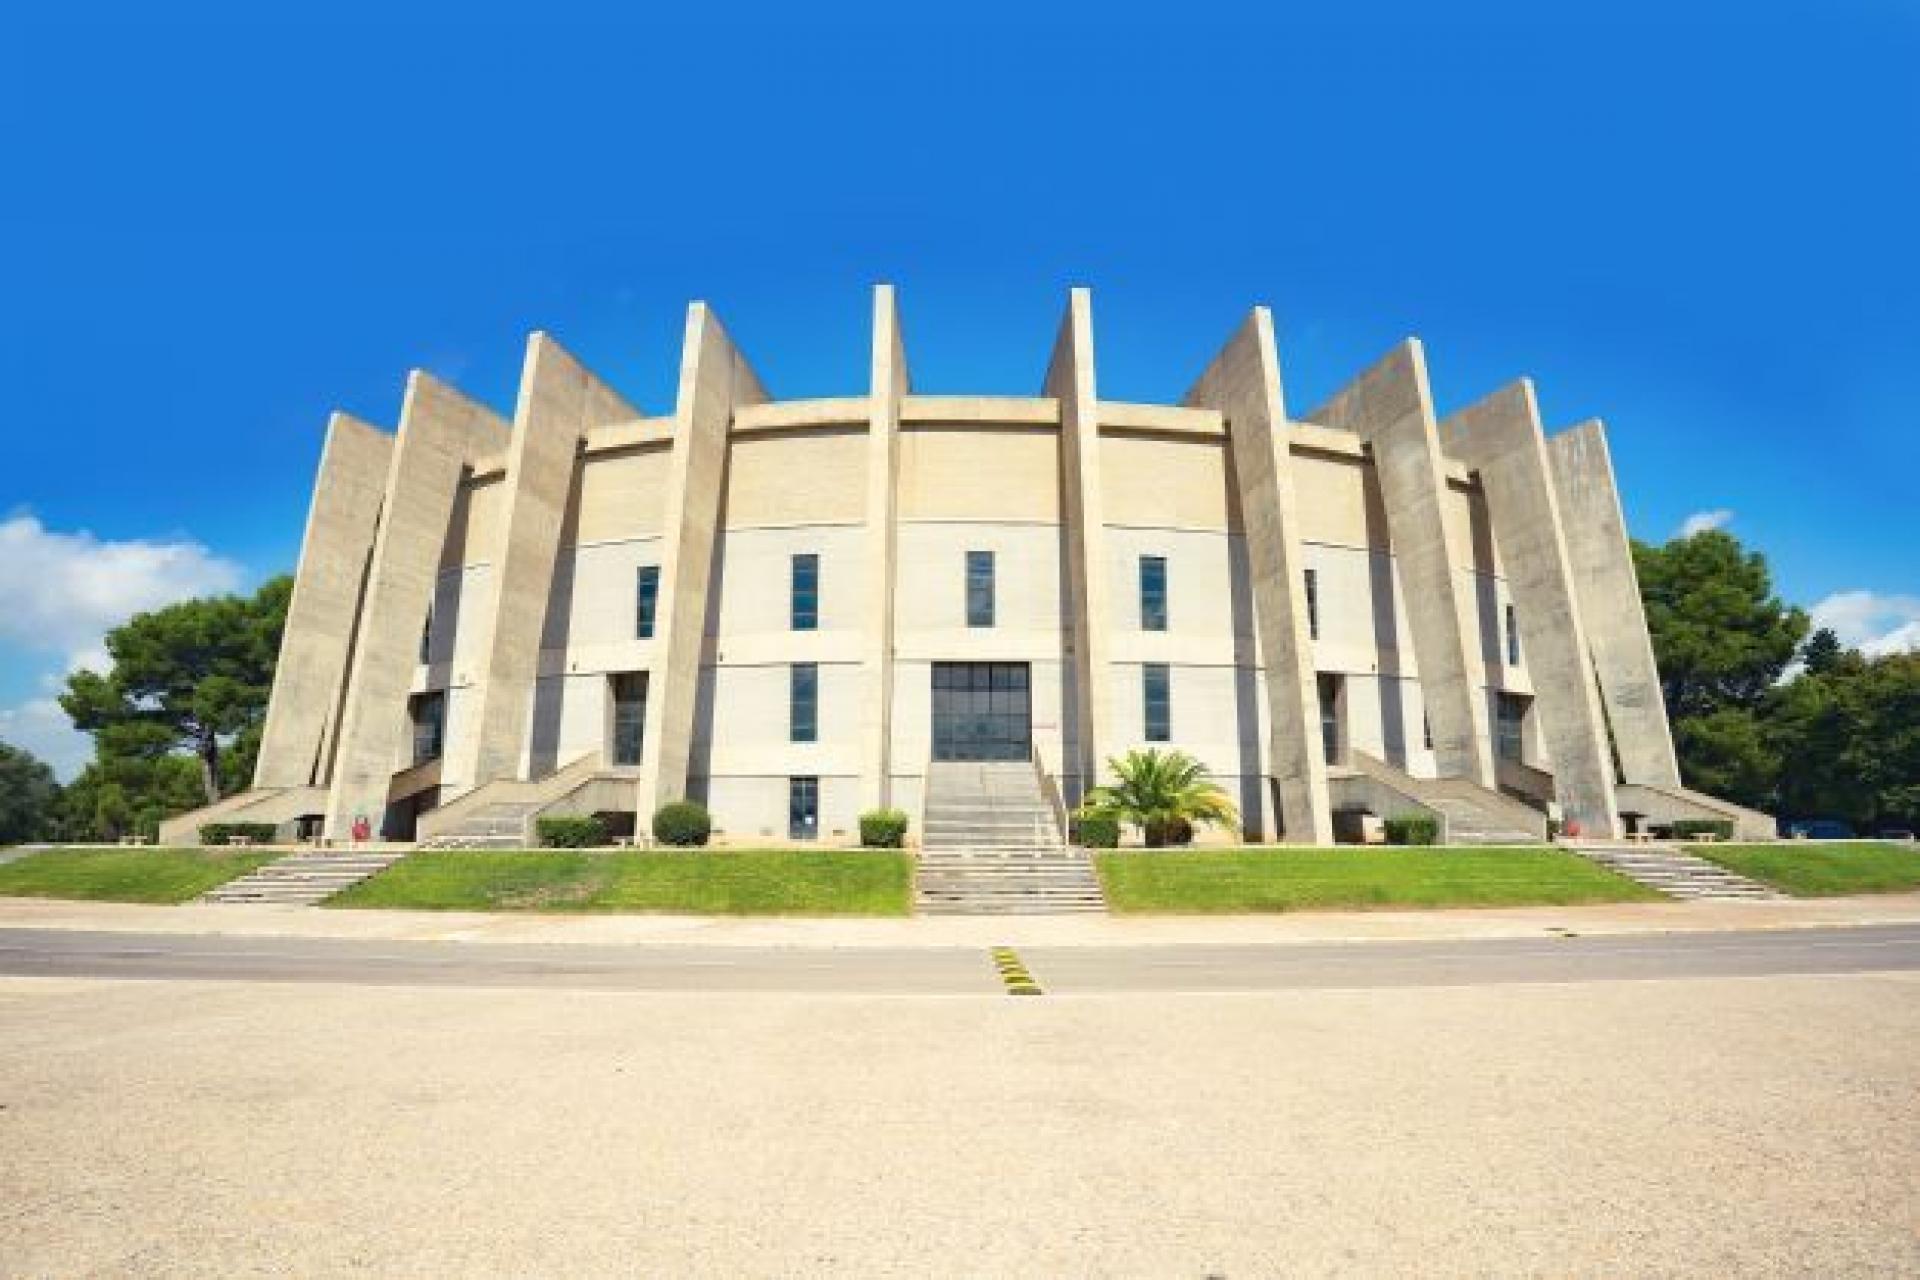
(1688, 828)
(683, 822)
(1096, 829)
(883, 828)
(1412, 829)
(224, 832)
(570, 831)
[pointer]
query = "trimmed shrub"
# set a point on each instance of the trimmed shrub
(224, 832)
(1412, 829)
(1172, 833)
(1688, 828)
(570, 831)
(883, 829)
(1095, 829)
(684, 823)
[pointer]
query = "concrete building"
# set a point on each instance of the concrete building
(795, 610)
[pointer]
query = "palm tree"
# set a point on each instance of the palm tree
(1159, 792)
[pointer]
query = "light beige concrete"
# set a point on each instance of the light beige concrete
(1616, 918)
(1070, 380)
(1243, 383)
(1390, 408)
(560, 401)
(890, 382)
(714, 379)
(973, 471)
(796, 476)
(1719, 1127)
(1500, 438)
(441, 431)
(1609, 594)
(303, 711)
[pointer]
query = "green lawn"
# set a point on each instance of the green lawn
(127, 875)
(1809, 870)
(1227, 880)
(811, 882)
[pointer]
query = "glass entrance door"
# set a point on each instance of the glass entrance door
(982, 711)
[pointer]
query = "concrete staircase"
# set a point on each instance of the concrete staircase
(501, 824)
(1470, 813)
(991, 845)
(1674, 872)
(302, 879)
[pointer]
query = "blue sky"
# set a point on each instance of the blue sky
(1694, 221)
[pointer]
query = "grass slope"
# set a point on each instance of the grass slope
(821, 882)
(1808, 870)
(1243, 880)
(127, 875)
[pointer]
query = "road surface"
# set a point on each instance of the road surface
(962, 970)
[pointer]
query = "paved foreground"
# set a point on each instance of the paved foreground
(1710, 1126)
(960, 970)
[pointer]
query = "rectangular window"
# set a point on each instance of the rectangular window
(1313, 604)
(806, 593)
(1155, 687)
(429, 714)
(803, 808)
(1513, 640)
(629, 716)
(979, 588)
(1426, 731)
(1509, 726)
(646, 598)
(1331, 689)
(426, 637)
(1153, 593)
(803, 702)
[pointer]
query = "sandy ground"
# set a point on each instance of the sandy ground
(1709, 1127)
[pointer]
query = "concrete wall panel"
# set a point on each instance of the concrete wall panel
(441, 433)
(1500, 438)
(303, 711)
(1243, 383)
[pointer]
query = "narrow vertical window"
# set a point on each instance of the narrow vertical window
(426, 637)
(806, 592)
(1513, 640)
(803, 808)
(803, 702)
(429, 725)
(1153, 593)
(979, 588)
(1426, 731)
(1313, 604)
(629, 716)
(646, 598)
(1157, 694)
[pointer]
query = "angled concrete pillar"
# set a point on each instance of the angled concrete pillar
(888, 389)
(715, 379)
(1391, 409)
(1500, 438)
(303, 713)
(441, 433)
(1609, 593)
(559, 402)
(1243, 384)
(1070, 380)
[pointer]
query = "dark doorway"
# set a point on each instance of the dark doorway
(982, 711)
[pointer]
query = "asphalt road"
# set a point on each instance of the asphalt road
(962, 970)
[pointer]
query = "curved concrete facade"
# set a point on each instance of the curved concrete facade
(1335, 596)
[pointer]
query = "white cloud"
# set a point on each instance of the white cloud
(60, 593)
(1872, 623)
(1701, 521)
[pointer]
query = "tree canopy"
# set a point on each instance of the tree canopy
(193, 676)
(28, 796)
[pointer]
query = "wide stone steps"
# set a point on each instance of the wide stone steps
(1006, 882)
(302, 879)
(493, 826)
(1676, 873)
